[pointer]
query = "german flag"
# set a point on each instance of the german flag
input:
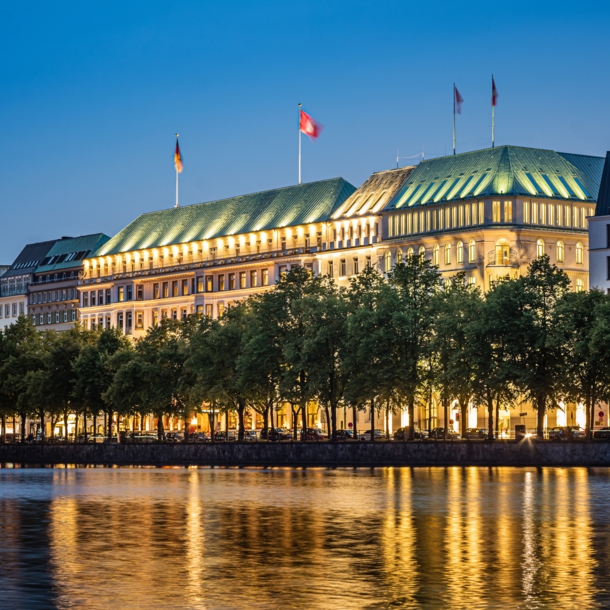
(178, 158)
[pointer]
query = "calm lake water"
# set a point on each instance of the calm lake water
(281, 538)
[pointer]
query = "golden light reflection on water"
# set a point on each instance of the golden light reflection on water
(201, 538)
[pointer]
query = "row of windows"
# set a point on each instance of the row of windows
(56, 277)
(53, 296)
(580, 251)
(555, 215)
(56, 317)
(450, 217)
(10, 310)
(459, 250)
(343, 268)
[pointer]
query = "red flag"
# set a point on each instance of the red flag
(178, 158)
(458, 100)
(308, 126)
(494, 93)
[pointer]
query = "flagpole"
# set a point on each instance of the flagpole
(493, 112)
(176, 179)
(299, 143)
(454, 118)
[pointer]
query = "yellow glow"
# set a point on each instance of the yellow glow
(288, 232)
(231, 242)
(206, 246)
(194, 247)
(300, 232)
(155, 253)
(312, 229)
(194, 421)
(175, 250)
(219, 243)
(86, 264)
(263, 237)
(185, 250)
(242, 240)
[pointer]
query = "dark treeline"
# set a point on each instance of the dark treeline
(383, 344)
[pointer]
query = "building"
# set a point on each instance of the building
(4, 269)
(15, 282)
(599, 235)
(53, 299)
(488, 213)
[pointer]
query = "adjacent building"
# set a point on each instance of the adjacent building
(599, 235)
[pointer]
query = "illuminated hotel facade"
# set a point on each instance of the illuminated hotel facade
(488, 213)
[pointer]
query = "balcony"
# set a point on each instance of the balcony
(502, 257)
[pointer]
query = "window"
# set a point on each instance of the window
(155, 317)
(221, 282)
(575, 224)
(422, 252)
(539, 248)
(200, 283)
(92, 298)
(253, 279)
(231, 281)
(65, 316)
(128, 322)
(495, 209)
(208, 310)
(472, 281)
(608, 267)
(119, 320)
(368, 262)
(48, 318)
(209, 283)
(387, 262)
(534, 213)
(459, 252)
(130, 293)
(265, 274)
(121, 294)
(566, 215)
(73, 315)
(155, 291)
(526, 212)
(461, 215)
(559, 215)
(242, 279)
(15, 311)
(355, 266)
(579, 253)
(560, 252)
(343, 268)
(542, 214)
(508, 211)
(139, 292)
(139, 320)
(551, 217)
(398, 256)
(447, 254)
(100, 297)
(580, 285)
(471, 251)
(41, 320)
(221, 309)
(175, 288)
(331, 270)
(57, 317)
(409, 254)
(85, 299)
(185, 288)
(583, 218)
(435, 255)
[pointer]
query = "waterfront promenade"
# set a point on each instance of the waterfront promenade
(527, 452)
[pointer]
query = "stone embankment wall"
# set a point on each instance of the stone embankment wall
(294, 454)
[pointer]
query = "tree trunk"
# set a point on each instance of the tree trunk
(3, 428)
(498, 417)
(590, 417)
(372, 420)
(490, 415)
(540, 403)
(411, 417)
(445, 417)
(23, 416)
(160, 430)
(304, 421)
(328, 422)
(333, 415)
(42, 434)
(355, 422)
(464, 412)
(240, 414)
(94, 422)
(266, 421)
(294, 422)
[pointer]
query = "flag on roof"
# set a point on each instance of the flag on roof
(494, 92)
(459, 100)
(308, 126)
(178, 158)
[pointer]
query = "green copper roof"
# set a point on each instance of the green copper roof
(283, 207)
(505, 170)
(68, 252)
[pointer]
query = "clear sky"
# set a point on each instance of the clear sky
(93, 92)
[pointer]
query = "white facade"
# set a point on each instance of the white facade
(599, 253)
(11, 307)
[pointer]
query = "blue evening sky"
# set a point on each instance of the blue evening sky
(93, 92)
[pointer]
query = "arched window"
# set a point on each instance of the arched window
(580, 285)
(579, 253)
(460, 252)
(410, 253)
(422, 252)
(560, 251)
(398, 256)
(539, 248)
(471, 251)
(448, 254)
(435, 256)
(388, 261)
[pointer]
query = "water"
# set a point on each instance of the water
(282, 538)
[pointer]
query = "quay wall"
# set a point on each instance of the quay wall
(325, 454)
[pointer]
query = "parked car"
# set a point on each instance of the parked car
(231, 435)
(345, 435)
(476, 433)
(146, 438)
(566, 433)
(399, 435)
(439, 434)
(198, 437)
(380, 435)
(174, 437)
(250, 436)
(316, 434)
(602, 434)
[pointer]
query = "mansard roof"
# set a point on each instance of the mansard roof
(68, 252)
(504, 170)
(282, 207)
(603, 199)
(29, 258)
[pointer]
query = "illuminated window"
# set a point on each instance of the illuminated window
(495, 209)
(265, 274)
(242, 279)
(344, 267)
(409, 253)
(560, 251)
(221, 309)
(387, 262)
(542, 214)
(551, 218)
(575, 224)
(253, 278)
(461, 214)
(165, 290)
(435, 256)
(539, 248)
(139, 320)
(583, 218)
(155, 317)
(534, 213)
(422, 252)
(356, 267)
(579, 253)
(331, 269)
(580, 285)
(467, 220)
(559, 215)
(448, 254)
(398, 257)
(460, 252)
(208, 310)
(472, 281)
(471, 251)
(526, 212)
(481, 212)
(231, 281)
(508, 211)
